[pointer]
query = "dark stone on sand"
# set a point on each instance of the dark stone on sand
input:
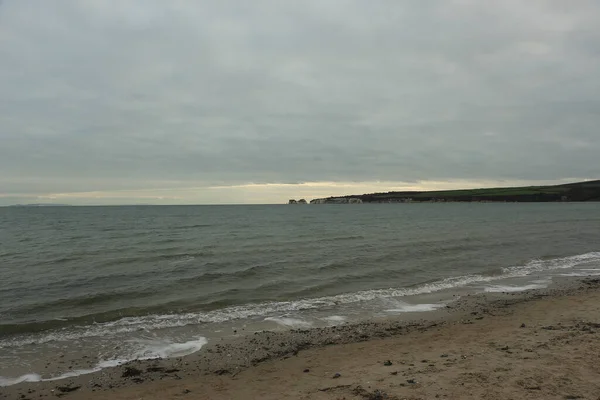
(377, 394)
(306, 370)
(522, 325)
(222, 371)
(337, 375)
(130, 371)
(387, 363)
(411, 381)
(67, 389)
(444, 356)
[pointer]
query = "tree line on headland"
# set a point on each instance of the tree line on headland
(579, 191)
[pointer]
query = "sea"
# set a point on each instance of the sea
(112, 284)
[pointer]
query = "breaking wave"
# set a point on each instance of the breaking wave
(271, 309)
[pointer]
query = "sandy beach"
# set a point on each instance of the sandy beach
(536, 345)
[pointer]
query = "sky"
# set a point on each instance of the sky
(232, 101)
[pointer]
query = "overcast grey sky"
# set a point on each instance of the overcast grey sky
(156, 101)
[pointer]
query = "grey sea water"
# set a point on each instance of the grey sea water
(116, 283)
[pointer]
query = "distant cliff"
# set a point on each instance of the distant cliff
(301, 201)
(337, 200)
(579, 191)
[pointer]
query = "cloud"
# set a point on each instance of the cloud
(122, 97)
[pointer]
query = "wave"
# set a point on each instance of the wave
(151, 349)
(290, 322)
(402, 307)
(174, 261)
(552, 264)
(335, 319)
(513, 288)
(265, 309)
(537, 284)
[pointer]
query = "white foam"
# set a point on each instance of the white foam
(150, 350)
(23, 378)
(289, 322)
(167, 349)
(335, 319)
(552, 264)
(405, 307)
(582, 273)
(111, 363)
(511, 288)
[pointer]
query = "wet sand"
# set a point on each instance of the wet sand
(542, 344)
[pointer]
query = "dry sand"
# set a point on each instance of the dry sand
(535, 345)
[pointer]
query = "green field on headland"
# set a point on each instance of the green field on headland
(580, 191)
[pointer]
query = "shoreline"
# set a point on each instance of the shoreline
(228, 364)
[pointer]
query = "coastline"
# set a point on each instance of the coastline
(534, 344)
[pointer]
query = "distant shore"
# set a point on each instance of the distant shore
(571, 192)
(538, 344)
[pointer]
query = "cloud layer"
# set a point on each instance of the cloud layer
(122, 101)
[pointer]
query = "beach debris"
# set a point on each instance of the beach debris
(337, 375)
(444, 356)
(67, 389)
(375, 395)
(394, 373)
(186, 391)
(332, 388)
(505, 348)
(549, 328)
(387, 363)
(523, 325)
(131, 371)
(222, 371)
(306, 370)
(537, 387)
(412, 381)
